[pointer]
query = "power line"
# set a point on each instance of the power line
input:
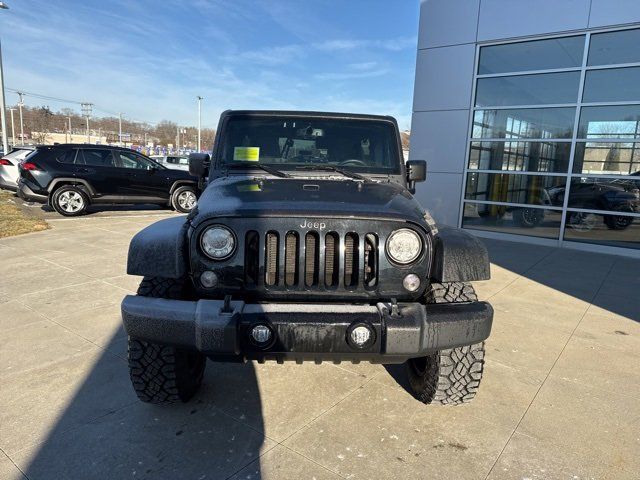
(76, 102)
(44, 97)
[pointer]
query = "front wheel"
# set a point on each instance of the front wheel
(161, 373)
(451, 376)
(184, 199)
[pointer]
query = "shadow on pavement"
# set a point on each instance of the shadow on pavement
(130, 439)
(608, 282)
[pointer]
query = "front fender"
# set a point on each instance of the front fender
(160, 250)
(459, 257)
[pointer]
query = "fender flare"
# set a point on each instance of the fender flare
(160, 250)
(183, 183)
(71, 180)
(459, 257)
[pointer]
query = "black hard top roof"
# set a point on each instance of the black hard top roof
(303, 113)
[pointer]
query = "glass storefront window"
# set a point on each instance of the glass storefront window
(520, 156)
(612, 230)
(536, 222)
(612, 85)
(565, 52)
(616, 121)
(539, 89)
(612, 48)
(613, 158)
(524, 123)
(514, 188)
(520, 170)
(601, 193)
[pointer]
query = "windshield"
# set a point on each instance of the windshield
(287, 143)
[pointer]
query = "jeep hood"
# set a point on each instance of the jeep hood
(305, 198)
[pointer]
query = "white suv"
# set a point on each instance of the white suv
(9, 172)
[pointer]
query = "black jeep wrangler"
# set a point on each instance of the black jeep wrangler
(306, 245)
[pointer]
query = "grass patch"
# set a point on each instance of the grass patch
(14, 221)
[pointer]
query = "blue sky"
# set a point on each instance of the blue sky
(149, 59)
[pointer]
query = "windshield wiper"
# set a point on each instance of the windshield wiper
(261, 166)
(332, 168)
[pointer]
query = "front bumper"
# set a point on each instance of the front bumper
(306, 332)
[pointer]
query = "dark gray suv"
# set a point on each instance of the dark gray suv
(71, 177)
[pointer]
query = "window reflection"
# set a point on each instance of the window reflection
(565, 52)
(524, 123)
(614, 47)
(618, 195)
(613, 158)
(610, 122)
(612, 230)
(537, 89)
(525, 189)
(536, 222)
(612, 85)
(520, 156)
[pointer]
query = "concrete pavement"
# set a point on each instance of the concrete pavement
(559, 398)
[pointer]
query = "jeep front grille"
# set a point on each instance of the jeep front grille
(311, 260)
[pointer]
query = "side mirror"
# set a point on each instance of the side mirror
(416, 172)
(199, 164)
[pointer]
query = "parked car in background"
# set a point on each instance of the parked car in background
(71, 177)
(177, 162)
(9, 172)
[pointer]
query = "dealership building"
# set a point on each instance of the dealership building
(528, 115)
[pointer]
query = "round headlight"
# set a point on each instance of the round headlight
(404, 246)
(218, 242)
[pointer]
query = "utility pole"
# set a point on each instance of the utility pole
(13, 129)
(178, 140)
(199, 120)
(3, 116)
(20, 105)
(120, 129)
(86, 112)
(70, 139)
(3, 119)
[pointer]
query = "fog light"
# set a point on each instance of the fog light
(411, 282)
(261, 334)
(360, 335)
(209, 279)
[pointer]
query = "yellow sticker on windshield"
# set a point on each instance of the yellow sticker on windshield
(246, 154)
(250, 187)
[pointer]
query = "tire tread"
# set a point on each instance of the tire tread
(159, 373)
(451, 376)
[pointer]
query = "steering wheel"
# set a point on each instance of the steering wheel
(352, 161)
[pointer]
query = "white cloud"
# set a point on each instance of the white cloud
(391, 44)
(362, 66)
(350, 75)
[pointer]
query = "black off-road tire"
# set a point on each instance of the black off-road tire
(452, 376)
(164, 374)
(57, 200)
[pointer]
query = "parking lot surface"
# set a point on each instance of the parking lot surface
(559, 398)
